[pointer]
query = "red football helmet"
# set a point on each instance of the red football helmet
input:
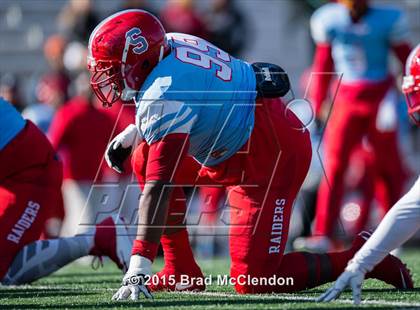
(123, 50)
(411, 84)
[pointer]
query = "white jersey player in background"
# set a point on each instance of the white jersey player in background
(401, 222)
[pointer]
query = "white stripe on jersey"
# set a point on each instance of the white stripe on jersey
(178, 119)
(158, 110)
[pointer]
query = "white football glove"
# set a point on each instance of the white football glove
(121, 147)
(352, 277)
(135, 280)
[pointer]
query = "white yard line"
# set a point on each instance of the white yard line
(287, 297)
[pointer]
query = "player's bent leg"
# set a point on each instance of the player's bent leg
(180, 272)
(308, 270)
(261, 209)
(43, 257)
(259, 228)
(393, 272)
(23, 209)
(30, 190)
(257, 239)
(178, 255)
(25, 201)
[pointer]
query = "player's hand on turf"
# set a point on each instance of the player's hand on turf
(134, 283)
(132, 287)
(352, 277)
(121, 147)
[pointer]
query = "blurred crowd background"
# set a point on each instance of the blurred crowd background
(43, 49)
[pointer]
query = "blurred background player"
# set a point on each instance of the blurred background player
(30, 192)
(131, 57)
(401, 222)
(77, 19)
(354, 38)
(52, 88)
(181, 16)
(80, 131)
(227, 26)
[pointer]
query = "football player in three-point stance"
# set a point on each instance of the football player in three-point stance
(401, 222)
(194, 99)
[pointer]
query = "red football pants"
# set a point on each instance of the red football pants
(210, 200)
(354, 117)
(30, 191)
(262, 181)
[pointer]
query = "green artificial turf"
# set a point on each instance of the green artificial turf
(80, 287)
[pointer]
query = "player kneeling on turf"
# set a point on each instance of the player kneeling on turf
(195, 100)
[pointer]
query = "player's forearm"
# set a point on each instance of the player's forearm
(400, 223)
(153, 211)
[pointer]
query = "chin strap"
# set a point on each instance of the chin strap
(127, 93)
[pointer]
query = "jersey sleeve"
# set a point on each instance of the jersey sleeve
(160, 118)
(399, 30)
(320, 26)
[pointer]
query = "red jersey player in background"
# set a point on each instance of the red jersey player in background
(78, 125)
(354, 38)
(401, 222)
(192, 98)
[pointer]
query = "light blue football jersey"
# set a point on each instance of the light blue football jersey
(360, 50)
(200, 90)
(11, 123)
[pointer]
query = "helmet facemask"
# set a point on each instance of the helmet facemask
(411, 89)
(106, 81)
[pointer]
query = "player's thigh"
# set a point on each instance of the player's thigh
(27, 200)
(260, 217)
